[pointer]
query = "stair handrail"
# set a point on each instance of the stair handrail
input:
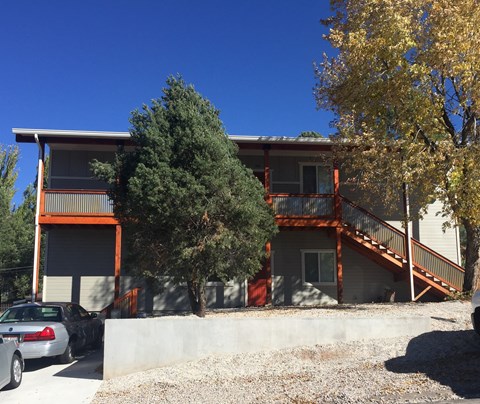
(447, 260)
(131, 296)
(368, 213)
(381, 223)
(455, 278)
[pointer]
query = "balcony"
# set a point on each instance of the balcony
(95, 207)
(304, 210)
(76, 207)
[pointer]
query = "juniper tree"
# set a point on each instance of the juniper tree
(191, 210)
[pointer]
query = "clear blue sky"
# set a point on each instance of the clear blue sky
(87, 64)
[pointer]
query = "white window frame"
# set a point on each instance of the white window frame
(319, 251)
(302, 164)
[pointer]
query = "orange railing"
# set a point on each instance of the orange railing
(126, 304)
(445, 270)
(370, 225)
(384, 234)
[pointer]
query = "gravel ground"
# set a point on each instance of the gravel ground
(439, 365)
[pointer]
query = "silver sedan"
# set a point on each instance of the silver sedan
(11, 364)
(51, 329)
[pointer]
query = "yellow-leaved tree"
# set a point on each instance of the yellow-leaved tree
(405, 89)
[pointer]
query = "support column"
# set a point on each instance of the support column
(268, 272)
(338, 234)
(268, 267)
(266, 168)
(336, 193)
(118, 259)
(38, 229)
(338, 230)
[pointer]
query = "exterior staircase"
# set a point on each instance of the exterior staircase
(387, 246)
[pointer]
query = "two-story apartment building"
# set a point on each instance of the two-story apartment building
(329, 249)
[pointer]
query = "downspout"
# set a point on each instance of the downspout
(38, 230)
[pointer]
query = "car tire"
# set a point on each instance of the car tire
(476, 320)
(97, 344)
(16, 371)
(69, 355)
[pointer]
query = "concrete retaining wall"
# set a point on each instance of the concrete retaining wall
(133, 345)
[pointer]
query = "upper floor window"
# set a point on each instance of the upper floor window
(316, 179)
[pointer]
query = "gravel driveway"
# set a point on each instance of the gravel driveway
(439, 365)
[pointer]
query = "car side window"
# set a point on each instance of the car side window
(83, 313)
(75, 314)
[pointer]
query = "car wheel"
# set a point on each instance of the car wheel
(98, 340)
(69, 355)
(476, 320)
(15, 372)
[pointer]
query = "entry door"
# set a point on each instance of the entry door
(257, 288)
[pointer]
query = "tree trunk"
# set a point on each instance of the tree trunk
(472, 257)
(197, 298)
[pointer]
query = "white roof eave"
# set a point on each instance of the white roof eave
(72, 134)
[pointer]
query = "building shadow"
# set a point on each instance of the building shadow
(89, 365)
(449, 357)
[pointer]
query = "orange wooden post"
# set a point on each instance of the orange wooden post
(118, 257)
(266, 167)
(268, 272)
(336, 193)
(268, 267)
(133, 301)
(338, 231)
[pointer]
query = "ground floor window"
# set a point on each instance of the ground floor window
(318, 267)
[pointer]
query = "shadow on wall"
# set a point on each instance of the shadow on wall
(290, 291)
(449, 357)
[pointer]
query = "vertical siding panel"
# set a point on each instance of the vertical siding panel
(431, 234)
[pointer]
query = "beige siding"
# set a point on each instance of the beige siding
(57, 288)
(289, 287)
(364, 281)
(432, 235)
(173, 297)
(96, 292)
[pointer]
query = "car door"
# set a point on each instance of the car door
(4, 364)
(86, 323)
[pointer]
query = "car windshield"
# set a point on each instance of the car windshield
(29, 314)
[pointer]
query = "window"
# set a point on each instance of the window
(316, 179)
(318, 267)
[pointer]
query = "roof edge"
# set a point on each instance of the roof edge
(89, 134)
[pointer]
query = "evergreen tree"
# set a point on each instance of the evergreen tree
(190, 209)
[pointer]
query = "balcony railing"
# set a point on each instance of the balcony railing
(303, 205)
(78, 202)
